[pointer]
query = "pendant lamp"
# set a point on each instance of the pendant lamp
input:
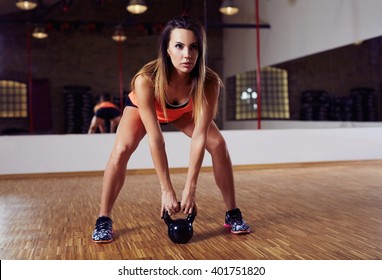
(39, 32)
(228, 8)
(119, 35)
(26, 5)
(137, 6)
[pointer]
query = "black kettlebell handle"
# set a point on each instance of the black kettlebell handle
(190, 217)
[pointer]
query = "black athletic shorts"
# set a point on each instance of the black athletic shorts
(129, 103)
(107, 113)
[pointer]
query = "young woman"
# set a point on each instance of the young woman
(176, 88)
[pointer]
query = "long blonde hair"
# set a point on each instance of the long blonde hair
(157, 72)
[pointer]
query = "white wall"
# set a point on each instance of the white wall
(298, 28)
(76, 153)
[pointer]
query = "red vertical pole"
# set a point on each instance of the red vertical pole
(30, 81)
(258, 76)
(120, 76)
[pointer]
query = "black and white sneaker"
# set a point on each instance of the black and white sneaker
(103, 232)
(234, 221)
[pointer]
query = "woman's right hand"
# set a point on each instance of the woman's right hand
(169, 203)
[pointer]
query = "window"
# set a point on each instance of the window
(13, 99)
(242, 102)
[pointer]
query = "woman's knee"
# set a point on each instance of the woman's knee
(121, 153)
(216, 145)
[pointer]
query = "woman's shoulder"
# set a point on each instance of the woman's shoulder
(144, 77)
(142, 81)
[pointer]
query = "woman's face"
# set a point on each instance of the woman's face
(183, 49)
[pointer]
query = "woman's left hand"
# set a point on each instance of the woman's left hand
(188, 201)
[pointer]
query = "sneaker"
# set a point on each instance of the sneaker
(103, 232)
(234, 221)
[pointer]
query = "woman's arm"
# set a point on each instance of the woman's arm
(145, 97)
(198, 145)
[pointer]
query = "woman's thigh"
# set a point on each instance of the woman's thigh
(130, 129)
(186, 125)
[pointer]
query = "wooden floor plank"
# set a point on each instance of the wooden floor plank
(305, 212)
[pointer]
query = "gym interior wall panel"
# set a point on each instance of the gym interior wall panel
(81, 153)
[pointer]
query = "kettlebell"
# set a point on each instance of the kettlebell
(180, 230)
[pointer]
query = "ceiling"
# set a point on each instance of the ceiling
(99, 10)
(107, 12)
(65, 10)
(8, 7)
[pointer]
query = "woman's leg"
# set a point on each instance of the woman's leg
(114, 124)
(129, 133)
(222, 165)
(96, 123)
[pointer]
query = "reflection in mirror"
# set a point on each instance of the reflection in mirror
(244, 103)
(79, 54)
(342, 85)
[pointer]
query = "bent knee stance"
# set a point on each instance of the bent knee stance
(121, 154)
(216, 146)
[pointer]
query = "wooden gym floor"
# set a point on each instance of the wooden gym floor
(307, 211)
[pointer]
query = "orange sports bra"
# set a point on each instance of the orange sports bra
(174, 112)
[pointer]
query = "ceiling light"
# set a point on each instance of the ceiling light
(26, 5)
(137, 6)
(228, 8)
(119, 35)
(39, 33)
